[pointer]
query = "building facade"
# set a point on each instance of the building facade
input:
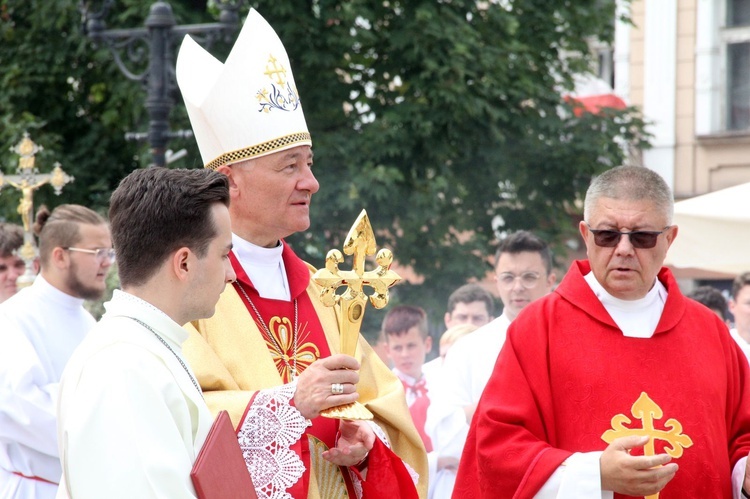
(686, 64)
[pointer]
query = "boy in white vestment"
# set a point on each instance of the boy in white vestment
(132, 418)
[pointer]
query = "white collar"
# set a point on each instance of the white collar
(264, 267)
(406, 378)
(635, 318)
(125, 304)
(657, 292)
(247, 252)
(43, 286)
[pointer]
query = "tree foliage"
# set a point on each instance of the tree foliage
(444, 119)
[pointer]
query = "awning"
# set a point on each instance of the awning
(714, 232)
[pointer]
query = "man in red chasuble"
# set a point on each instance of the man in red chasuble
(614, 385)
(268, 355)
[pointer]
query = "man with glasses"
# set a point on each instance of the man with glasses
(75, 253)
(615, 384)
(523, 273)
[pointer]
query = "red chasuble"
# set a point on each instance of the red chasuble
(567, 380)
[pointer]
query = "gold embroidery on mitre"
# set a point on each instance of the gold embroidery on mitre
(647, 411)
(282, 95)
(276, 144)
(329, 478)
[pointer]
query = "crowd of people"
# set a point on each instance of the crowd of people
(612, 383)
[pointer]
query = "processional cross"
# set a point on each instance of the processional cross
(351, 304)
(28, 179)
(647, 411)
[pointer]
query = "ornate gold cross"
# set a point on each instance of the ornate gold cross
(351, 304)
(275, 69)
(647, 411)
(28, 179)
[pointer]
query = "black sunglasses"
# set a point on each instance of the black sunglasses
(640, 239)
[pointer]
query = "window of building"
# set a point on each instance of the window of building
(735, 37)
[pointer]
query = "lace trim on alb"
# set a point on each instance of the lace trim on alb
(356, 483)
(380, 433)
(266, 436)
(412, 472)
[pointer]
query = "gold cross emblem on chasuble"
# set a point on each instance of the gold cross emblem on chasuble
(648, 411)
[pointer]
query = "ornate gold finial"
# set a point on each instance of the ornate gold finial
(27, 150)
(28, 179)
(647, 411)
(59, 178)
(350, 305)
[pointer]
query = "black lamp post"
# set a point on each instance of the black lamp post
(160, 34)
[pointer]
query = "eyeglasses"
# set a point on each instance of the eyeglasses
(528, 279)
(640, 239)
(101, 254)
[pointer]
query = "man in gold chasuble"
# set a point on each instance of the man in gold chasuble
(268, 355)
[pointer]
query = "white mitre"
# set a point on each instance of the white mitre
(247, 107)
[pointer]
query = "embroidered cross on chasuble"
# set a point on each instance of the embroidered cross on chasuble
(295, 356)
(647, 411)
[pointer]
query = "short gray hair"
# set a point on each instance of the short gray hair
(632, 183)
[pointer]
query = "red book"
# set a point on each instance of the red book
(220, 471)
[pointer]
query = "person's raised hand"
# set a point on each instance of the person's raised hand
(317, 383)
(634, 475)
(356, 438)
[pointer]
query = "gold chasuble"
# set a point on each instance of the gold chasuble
(240, 370)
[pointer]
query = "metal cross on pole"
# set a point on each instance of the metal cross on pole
(28, 179)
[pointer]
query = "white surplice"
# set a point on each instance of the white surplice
(40, 326)
(131, 421)
(465, 371)
(744, 345)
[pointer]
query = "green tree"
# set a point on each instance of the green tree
(72, 98)
(443, 119)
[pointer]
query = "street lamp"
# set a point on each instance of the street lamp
(160, 34)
